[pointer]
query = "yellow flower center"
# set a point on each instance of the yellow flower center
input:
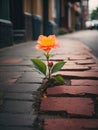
(47, 41)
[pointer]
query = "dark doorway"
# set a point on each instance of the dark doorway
(45, 16)
(16, 14)
(66, 15)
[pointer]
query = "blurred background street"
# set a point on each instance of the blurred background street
(25, 20)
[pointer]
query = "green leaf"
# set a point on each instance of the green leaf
(57, 66)
(39, 66)
(59, 79)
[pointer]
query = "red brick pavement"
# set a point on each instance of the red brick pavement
(73, 107)
(72, 90)
(85, 62)
(74, 67)
(84, 82)
(79, 74)
(11, 60)
(71, 124)
(70, 105)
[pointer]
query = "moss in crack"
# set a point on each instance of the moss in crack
(38, 123)
(41, 93)
(56, 80)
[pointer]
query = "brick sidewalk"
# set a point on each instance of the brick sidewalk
(18, 87)
(73, 107)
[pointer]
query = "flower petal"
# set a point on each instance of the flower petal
(47, 43)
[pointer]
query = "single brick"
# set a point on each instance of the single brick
(79, 57)
(72, 90)
(92, 65)
(79, 74)
(17, 106)
(95, 68)
(72, 106)
(85, 62)
(74, 67)
(10, 81)
(71, 124)
(13, 60)
(84, 82)
(10, 119)
(58, 57)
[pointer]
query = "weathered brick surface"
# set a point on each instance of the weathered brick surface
(12, 60)
(11, 81)
(78, 57)
(19, 88)
(79, 74)
(8, 119)
(71, 48)
(17, 106)
(84, 82)
(71, 124)
(10, 77)
(58, 57)
(18, 96)
(85, 62)
(15, 68)
(92, 65)
(17, 103)
(15, 128)
(73, 106)
(70, 67)
(72, 90)
(28, 77)
(95, 68)
(70, 57)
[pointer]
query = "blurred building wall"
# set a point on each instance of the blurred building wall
(27, 19)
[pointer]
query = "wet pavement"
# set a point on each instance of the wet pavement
(72, 107)
(18, 85)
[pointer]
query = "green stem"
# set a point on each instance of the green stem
(49, 69)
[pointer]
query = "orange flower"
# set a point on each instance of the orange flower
(47, 43)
